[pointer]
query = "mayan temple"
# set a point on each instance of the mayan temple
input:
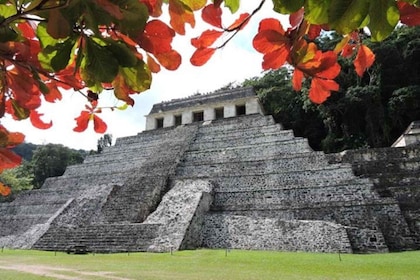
(212, 171)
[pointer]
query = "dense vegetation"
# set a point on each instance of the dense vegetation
(371, 111)
(40, 162)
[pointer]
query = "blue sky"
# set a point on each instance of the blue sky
(234, 63)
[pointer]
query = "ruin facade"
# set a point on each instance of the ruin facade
(213, 171)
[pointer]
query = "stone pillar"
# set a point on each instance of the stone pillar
(186, 117)
(230, 110)
(150, 123)
(209, 114)
(169, 120)
(252, 107)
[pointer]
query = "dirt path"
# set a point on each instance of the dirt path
(59, 273)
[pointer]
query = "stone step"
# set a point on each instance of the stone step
(331, 175)
(150, 136)
(303, 196)
(389, 167)
(160, 165)
(238, 123)
(100, 238)
(32, 209)
(139, 154)
(263, 150)
(79, 181)
(270, 182)
(267, 130)
(290, 207)
(240, 141)
(260, 167)
(286, 161)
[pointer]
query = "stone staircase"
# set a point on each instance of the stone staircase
(265, 176)
(395, 174)
(102, 201)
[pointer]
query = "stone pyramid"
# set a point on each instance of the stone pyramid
(212, 171)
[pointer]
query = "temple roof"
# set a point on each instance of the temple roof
(200, 99)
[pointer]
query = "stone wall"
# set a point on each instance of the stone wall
(181, 214)
(252, 232)
(394, 173)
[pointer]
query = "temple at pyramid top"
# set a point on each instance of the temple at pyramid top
(204, 107)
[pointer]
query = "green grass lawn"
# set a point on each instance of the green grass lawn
(210, 264)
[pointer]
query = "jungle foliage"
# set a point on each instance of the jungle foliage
(368, 111)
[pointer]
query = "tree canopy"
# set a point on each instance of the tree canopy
(372, 111)
(87, 46)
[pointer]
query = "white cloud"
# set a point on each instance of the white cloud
(234, 63)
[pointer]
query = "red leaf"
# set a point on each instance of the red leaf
(240, 23)
(201, 56)
(272, 42)
(69, 78)
(53, 94)
(8, 159)
(154, 7)
(57, 26)
(409, 14)
(329, 67)
(271, 24)
(270, 36)
(314, 31)
(10, 139)
(212, 15)
(82, 121)
(170, 60)
(111, 8)
(364, 59)
(36, 121)
(180, 15)
(99, 125)
(157, 37)
(4, 190)
(206, 39)
(296, 18)
(25, 91)
(27, 29)
(122, 91)
(321, 89)
(153, 65)
(297, 79)
(275, 59)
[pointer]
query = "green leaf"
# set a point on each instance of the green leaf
(287, 6)
(122, 53)
(194, 5)
(233, 5)
(346, 16)
(63, 54)
(44, 38)
(50, 49)
(135, 16)
(7, 11)
(384, 16)
(99, 63)
(19, 112)
(123, 107)
(7, 34)
(139, 78)
(316, 11)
